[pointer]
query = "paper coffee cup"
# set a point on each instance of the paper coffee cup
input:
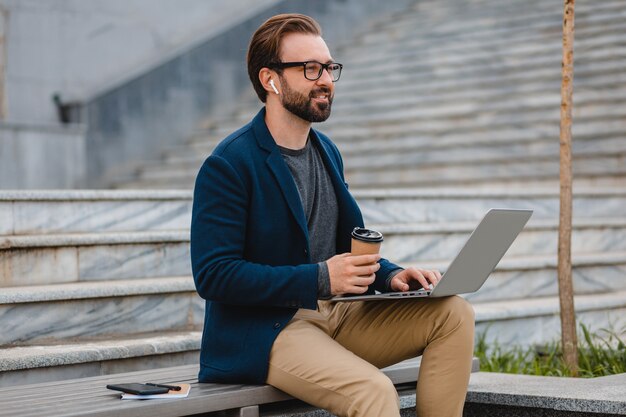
(365, 241)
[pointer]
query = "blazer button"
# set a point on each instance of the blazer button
(276, 325)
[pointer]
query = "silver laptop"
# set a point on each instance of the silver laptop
(474, 263)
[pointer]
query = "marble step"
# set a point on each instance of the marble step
(194, 153)
(454, 117)
(459, 174)
(70, 359)
(451, 117)
(88, 257)
(525, 277)
(52, 313)
(535, 95)
(603, 66)
(494, 147)
(520, 39)
(431, 168)
(83, 257)
(465, 79)
(476, 23)
(522, 322)
(411, 242)
(454, 18)
(74, 211)
(535, 320)
(466, 204)
(527, 49)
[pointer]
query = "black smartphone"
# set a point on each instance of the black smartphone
(139, 389)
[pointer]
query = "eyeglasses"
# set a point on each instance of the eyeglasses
(313, 69)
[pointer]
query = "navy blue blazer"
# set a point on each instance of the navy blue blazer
(250, 249)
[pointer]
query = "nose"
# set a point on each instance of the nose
(325, 79)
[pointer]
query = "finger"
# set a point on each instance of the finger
(359, 290)
(419, 277)
(438, 274)
(364, 281)
(365, 259)
(363, 270)
(398, 285)
(430, 276)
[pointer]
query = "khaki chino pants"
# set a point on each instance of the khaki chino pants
(330, 358)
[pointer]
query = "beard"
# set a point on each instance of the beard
(303, 106)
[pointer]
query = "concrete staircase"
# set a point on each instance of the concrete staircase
(462, 93)
(443, 112)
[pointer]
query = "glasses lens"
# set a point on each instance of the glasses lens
(312, 70)
(335, 71)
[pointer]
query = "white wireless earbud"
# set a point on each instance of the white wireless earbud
(274, 87)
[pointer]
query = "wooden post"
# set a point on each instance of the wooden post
(566, 291)
(4, 30)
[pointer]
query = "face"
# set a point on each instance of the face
(309, 100)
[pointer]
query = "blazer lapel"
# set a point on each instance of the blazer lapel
(288, 187)
(279, 169)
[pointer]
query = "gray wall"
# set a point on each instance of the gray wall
(163, 106)
(42, 156)
(81, 47)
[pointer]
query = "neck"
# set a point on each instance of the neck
(287, 129)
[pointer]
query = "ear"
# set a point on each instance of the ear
(265, 75)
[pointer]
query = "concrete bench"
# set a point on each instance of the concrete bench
(496, 394)
(90, 397)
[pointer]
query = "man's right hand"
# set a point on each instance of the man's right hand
(352, 274)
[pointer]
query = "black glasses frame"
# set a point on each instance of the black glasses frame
(303, 64)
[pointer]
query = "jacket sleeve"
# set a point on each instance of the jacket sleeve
(218, 230)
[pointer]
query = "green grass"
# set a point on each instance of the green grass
(598, 355)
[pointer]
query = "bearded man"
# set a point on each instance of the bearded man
(270, 242)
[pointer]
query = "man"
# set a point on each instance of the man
(270, 241)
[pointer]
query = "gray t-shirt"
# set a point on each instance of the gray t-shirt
(320, 207)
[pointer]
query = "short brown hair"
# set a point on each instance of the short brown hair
(265, 43)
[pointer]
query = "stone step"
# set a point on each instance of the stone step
(75, 211)
(476, 24)
(427, 26)
(547, 150)
(431, 168)
(133, 255)
(194, 153)
(418, 53)
(486, 184)
(470, 173)
(525, 48)
(462, 116)
(436, 15)
(533, 321)
(590, 105)
(525, 277)
(411, 242)
(493, 147)
(466, 204)
(446, 119)
(64, 258)
(69, 360)
(88, 257)
(523, 322)
(46, 314)
(462, 77)
(444, 204)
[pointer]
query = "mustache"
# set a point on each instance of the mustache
(324, 91)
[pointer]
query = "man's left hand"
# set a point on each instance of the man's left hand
(414, 278)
